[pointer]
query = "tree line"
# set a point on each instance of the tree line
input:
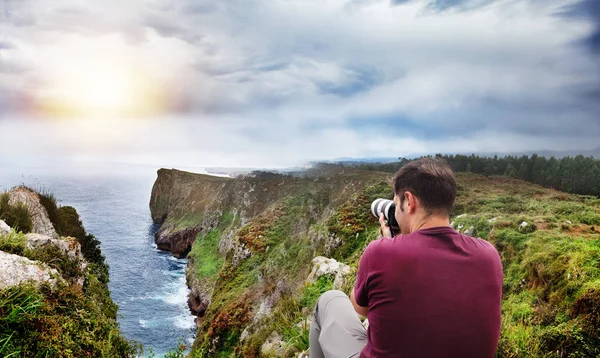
(578, 175)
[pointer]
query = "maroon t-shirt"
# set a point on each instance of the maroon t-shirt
(431, 293)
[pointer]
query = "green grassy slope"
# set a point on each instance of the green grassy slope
(551, 263)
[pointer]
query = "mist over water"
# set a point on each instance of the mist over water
(147, 284)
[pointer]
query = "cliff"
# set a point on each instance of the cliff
(54, 299)
(262, 248)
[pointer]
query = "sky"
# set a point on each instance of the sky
(276, 83)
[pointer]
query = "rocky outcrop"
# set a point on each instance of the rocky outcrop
(67, 245)
(15, 270)
(326, 266)
(178, 242)
(198, 300)
(273, 346)
(4, 228)
(39, 217)
(36, 242)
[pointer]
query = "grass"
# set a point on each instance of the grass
(60, 322)
(15, 216)
(205, 254)
(313, 291)
(65, 320)
(282, 251)
(551, 266)
(551, 291)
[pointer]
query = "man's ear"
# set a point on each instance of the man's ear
(411, 202)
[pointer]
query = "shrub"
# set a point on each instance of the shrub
(15, 216)
(58, 322)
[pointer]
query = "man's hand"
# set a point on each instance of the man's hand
(385, 229)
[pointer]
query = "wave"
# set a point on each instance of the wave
(178, 293)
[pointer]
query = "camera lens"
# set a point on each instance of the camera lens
(388, 208)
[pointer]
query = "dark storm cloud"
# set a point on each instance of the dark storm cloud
(588, 10)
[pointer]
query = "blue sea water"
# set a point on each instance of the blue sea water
(147, 284)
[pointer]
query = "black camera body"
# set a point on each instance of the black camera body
(388, 208)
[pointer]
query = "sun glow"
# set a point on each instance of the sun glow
(99, 91)
(99, 79)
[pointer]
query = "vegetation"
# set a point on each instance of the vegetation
(549, 243)
(66, 320)
(60, 322)
(67, 223)
(15, 216)
(550, 249)
(579, 174)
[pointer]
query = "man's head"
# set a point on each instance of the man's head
(424, 189)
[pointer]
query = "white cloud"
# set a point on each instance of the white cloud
(278, 81)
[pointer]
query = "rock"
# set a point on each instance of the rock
(460, 216)
(198, 301)
(523, 224)
(273, 345)
(15, 269)
(39, 216)
(68, 245)
(469, 231)
(245, 334)
(303, 354)
(178, 242)
(326, 266)
(305, 323)
(4, 229)
(569, 222)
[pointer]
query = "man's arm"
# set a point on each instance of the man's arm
(363, 269)
(359, 309)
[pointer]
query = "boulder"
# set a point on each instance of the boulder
(273, 346)
(4, 229)
(38, 214)
(326, 266)
(15, 270)
(68, 245)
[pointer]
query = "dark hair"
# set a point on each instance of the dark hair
(431, 180)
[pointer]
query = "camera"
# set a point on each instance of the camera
(388, 208)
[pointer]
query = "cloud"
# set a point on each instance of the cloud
(588, 10)
(443, 5)
(288, 74)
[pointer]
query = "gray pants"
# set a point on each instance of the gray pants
(336, 331)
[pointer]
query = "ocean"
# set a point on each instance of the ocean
(147, 284)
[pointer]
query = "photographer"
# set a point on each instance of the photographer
(428, 292)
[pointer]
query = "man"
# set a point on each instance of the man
(428, 292)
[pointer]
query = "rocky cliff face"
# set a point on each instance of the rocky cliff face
(251, 240)
(262, 249)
